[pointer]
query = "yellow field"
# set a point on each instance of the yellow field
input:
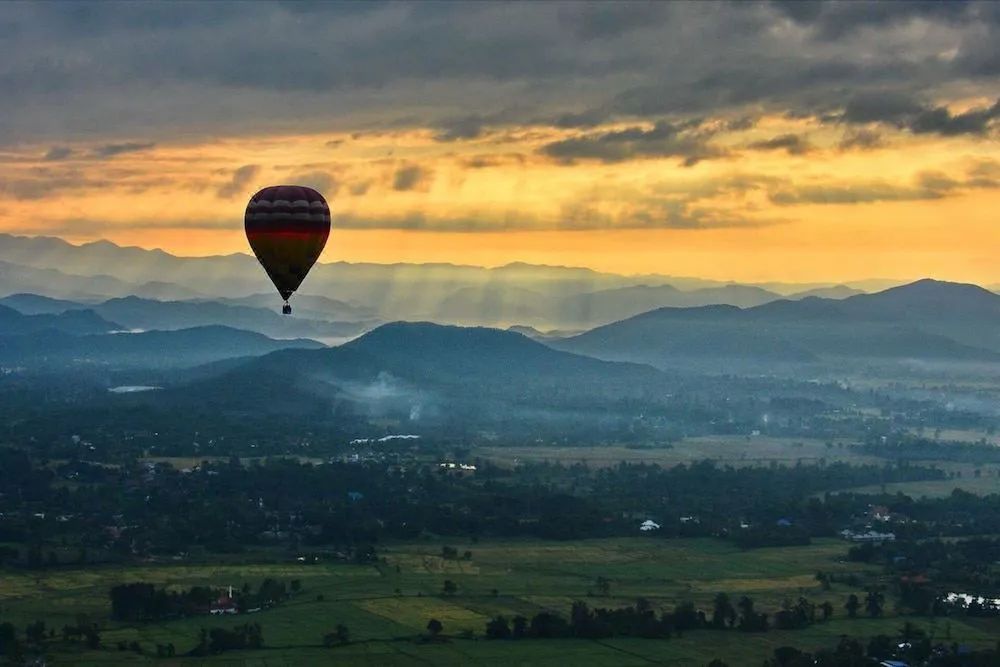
(415, 612)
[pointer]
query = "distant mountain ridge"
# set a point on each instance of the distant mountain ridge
(77, 322)
(421, 371)
(927, 319)
(518, 293)
(137, 313)
(55, 350)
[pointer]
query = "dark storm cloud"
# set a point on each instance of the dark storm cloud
(793, 144)
(471, 126)
(466, 127)
(926, 185)
(410, 177)
(861, 193)
(881, 107)
(832, 20)
(862, 139)
(664, 139)
(239, 181)
(43, 182)
(602, 20)
(108, 71)
(57, 153)
(908, 113)
(940, 120)
(111, 150)
(580, 119)
(322, 181)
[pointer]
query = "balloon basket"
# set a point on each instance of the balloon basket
(286, 309)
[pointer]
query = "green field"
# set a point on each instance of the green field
(728, 449)
(386, 606)
(935, 488)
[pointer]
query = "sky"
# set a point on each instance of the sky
(788, 141)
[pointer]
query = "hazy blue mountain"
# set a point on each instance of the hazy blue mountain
(927, 300)
(76, 322)
(927, 320)
(36, 304)
(54, 350)
(308, 306)
(536, 334)
(423, 371)
(163, 291)
(492, 304)
(616, 304)
(544, 297)
(833, 292)
(136, 313)
(16, 278)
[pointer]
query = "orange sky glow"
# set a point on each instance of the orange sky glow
(913, 206)
(745, 141)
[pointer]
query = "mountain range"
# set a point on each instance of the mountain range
(515, 294)
(135, 313)
(926, 320)
(56, 351)
(412, 373)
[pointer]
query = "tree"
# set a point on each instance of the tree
(449, 587)
(498, 628)
(35, 632)
(874, 601)
(8, 637)
(434, 627)
(545, 625)
(723, 612)
(827, 609)
(786, 655)
(852, 605)
(340, 635)
(520, 627)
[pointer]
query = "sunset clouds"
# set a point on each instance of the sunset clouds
(716, 139)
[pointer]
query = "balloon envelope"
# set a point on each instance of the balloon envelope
(287, 226)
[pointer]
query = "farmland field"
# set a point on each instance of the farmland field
(386, 605)
(936, 488)
(728, 449)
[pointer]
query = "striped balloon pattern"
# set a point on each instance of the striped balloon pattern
(287, 226)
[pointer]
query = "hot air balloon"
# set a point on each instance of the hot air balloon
(287, 226)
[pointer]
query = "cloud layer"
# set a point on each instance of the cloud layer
(698, 120)
(143, 70)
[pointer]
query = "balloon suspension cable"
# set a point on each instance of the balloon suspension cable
(286, 309)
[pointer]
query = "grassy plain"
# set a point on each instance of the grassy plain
(727, 449)
(985, 485)
(386, 605)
